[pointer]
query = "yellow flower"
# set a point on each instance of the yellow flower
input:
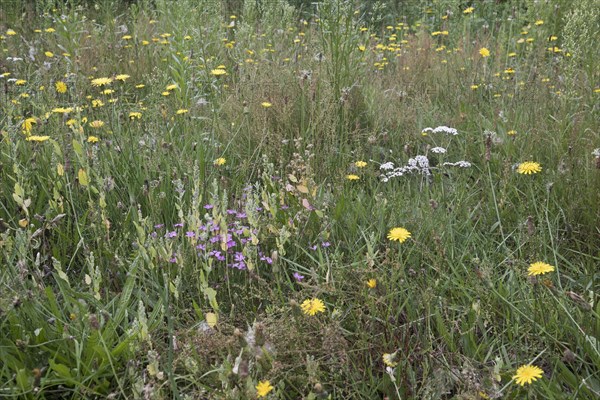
(50, 30)
(398, 234)
(266, 104)
(134, 115)
(101, 82)
(11, 32)
(122, 77)
(468, 10)
(97, 124)
(539, 22)
(49, 54)
(512, 132)
(97, 103)
(360, 164)
(263, 388)
(218, 72)
(20, 82)
(27, 125)
(62, 110)
(391, 360)
(484, 52)
(474, 87)
(539, 268)
(529, 167)
(166, 93)
(182, 111)
(108, 91)
(171, 87)
(352, 177)
(140, 86)
(527, 374)
(220, 161)
(61, 87)
(372, 283)
(361, 48)
(92, 139)
(312, 306)
(35, 138)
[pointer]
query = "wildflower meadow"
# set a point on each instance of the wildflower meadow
(293, 199)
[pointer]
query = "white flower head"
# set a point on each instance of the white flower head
(438, 150)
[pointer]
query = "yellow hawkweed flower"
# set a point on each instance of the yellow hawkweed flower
(312, 306)
(220, 161)
(398, 234)
(527, 374)
(263, 388)
(61, 87)
(529, 167)
(539, 268)
(484, 52)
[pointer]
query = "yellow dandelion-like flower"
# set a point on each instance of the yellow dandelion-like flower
(484, 52)
(182, 111)
(108, 91)
(352, 177)
(11, 32)
(92, 139)
(512, 132)
(372, 283)
(97, 124)
(140, 86)
(134, 114)
(539, 22)
(312, 306)
(391, 360)
(527, 374)
(361, 48)
(539, 268)
(71, 122)
(171, 87)
(266, 104)
(27, 125)
(122, 77)
(398, 234)
(220, 161)
(97, 103)
(49, 54)
(360, 164)
(468, 10)
(529, 167)
(218, 72)
(166, 93)
(61, 87)
(20, 82)
(101, 82)
(474, 87)
(62, 110)
(50, 30)
(263, 388)
(35, 138)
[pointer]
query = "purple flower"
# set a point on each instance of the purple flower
(230, 244)
(179, 225)
(298, 277)
(173, 259)
(201, 247)
(190, 234)
(158, 226)
(240, 215)
(325, 244)
(171, 234)
(312, 247)
(239, 265)
(268, 260)
(239, 257)
(208, 206)
(154, 235)
(231, 212)
(284, 206)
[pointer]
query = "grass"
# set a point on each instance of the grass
(161, 232)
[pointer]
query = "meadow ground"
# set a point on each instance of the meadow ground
(343, 200)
